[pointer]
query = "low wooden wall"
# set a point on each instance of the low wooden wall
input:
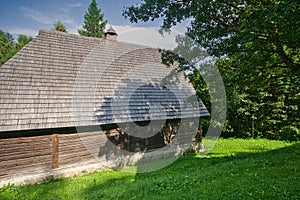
(31, 155)
(25, 156)
(47, 154)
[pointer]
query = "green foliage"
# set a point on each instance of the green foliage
(93, 25)
(235, 169)
(8, 48)
(257, 43)
(234, 26)
(58, 26)
(262, 101)
(22, 41)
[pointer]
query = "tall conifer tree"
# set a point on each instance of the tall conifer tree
(93, 25)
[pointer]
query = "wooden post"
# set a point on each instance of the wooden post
(55, 150)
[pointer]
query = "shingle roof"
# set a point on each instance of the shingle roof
(65, 80)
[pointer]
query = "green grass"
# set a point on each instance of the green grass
(235, 169)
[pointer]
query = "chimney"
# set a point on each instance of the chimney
(111, 34)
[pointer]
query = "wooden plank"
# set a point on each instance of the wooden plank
(25, 161)
(20, 155)
(76, 159)
(66, 148)
(75, 154)
(55, 150)
(80, 137)
(35, 144)
(73, 151)
(25, 147)
(78, 144)
(25, 150)
(24, 139)
(86, 134)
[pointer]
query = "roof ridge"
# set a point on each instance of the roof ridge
(45, 31)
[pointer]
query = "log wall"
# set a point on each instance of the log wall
(42, 154)
(25, 156)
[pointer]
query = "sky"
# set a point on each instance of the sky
(29, 16)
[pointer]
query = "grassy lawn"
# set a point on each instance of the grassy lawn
(235, 169)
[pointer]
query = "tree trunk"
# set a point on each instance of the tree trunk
(197, 141)
(287, 60)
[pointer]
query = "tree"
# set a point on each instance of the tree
(235, 26)
(22, 41)
(257, 43)
(8, 48)
(58, 26)
(93, 25)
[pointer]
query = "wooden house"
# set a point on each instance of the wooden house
(64, 97)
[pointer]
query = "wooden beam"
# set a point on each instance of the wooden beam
(55, 150)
